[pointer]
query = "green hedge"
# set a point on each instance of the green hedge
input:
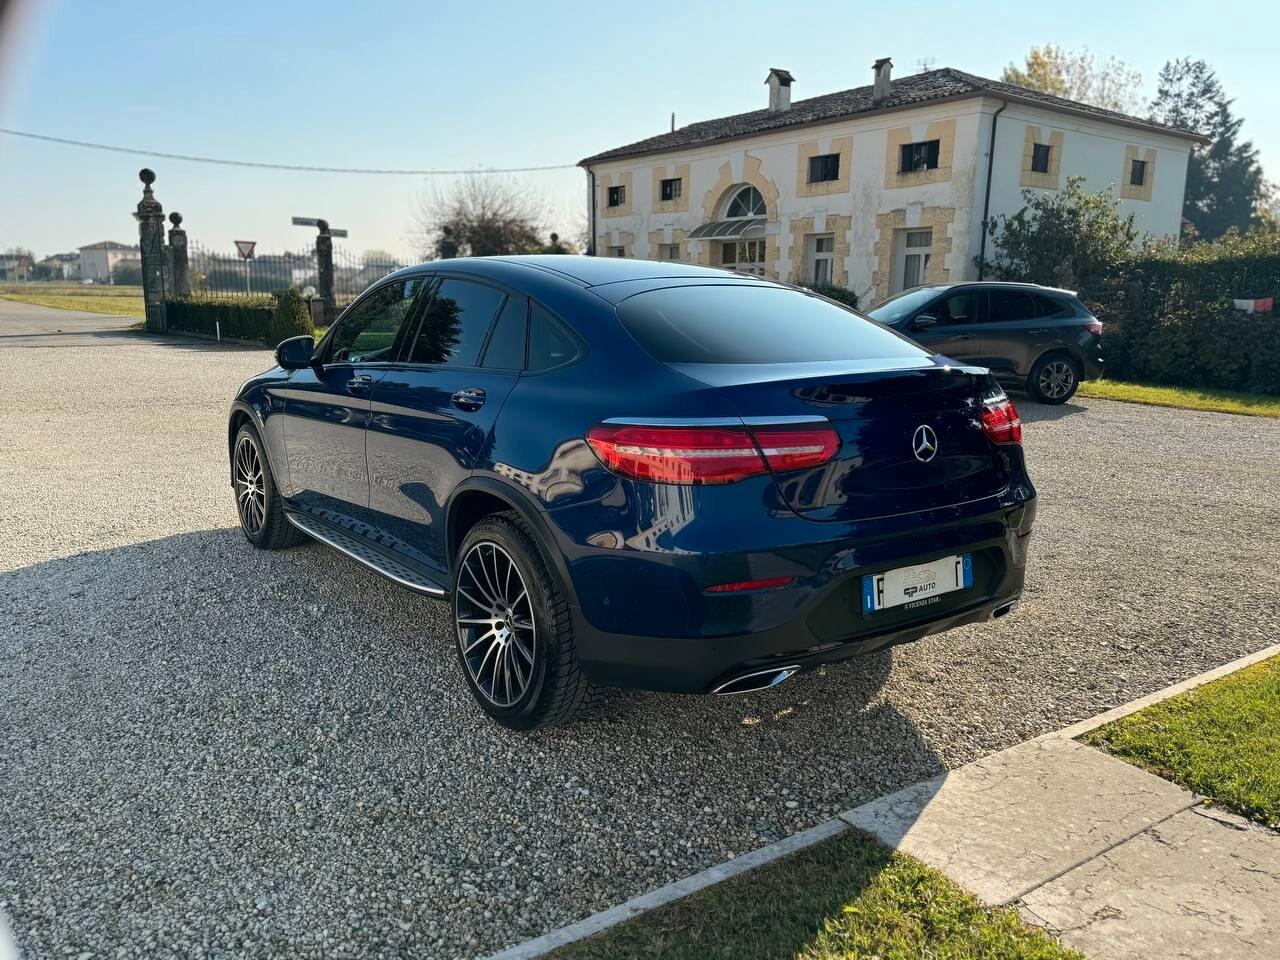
(1168, 315)
(267, 317)
(833, 292)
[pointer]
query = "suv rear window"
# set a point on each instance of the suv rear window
(750, 323)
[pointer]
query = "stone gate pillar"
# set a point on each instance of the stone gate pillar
(150, 216)
(179, 282)
(324, 270)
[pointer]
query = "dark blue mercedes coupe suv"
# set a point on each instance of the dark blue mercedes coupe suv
(627, 473)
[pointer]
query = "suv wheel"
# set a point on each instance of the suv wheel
(1054, 379)
(513, 628)
(258, 501)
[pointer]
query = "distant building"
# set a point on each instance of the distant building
(97, 260)
(61, 266)
(878, 188)
(16, 266)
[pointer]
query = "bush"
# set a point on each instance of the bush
(269, 318)
(1183, 328)
(833, 292)
(1166, 310)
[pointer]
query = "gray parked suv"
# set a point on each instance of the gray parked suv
(1039, 338)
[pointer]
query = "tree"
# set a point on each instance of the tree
(1111, 84)
(1225, 186)
(486, 214)
(1067, 238)
(127, 273)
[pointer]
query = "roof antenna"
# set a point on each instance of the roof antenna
(673, 121)
(925, 64)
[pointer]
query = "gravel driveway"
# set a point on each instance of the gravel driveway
(207, 750)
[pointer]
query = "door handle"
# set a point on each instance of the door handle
(472, 398)
(961, 336)
(360, 384)
(1039, 330)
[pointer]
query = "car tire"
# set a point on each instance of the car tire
(258, 503)
(513, 628)
(1054, 379)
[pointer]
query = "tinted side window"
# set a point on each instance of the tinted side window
(455, 322)
(957, 308)
(550, 344)
(506, 345)
(370, 331)
(1047, 306)
(1008, 305)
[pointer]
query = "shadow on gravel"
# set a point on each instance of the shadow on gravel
(1031, 412)
(201, 737)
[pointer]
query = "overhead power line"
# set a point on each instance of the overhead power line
(367, 171)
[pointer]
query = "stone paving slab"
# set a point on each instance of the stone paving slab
(1007, 823)
(1196, 885)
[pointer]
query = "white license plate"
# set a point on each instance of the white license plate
(917, 585)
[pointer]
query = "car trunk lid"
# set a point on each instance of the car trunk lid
(911, 435)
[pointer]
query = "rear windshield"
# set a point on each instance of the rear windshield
(746, 323)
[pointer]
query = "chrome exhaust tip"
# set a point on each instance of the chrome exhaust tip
(757, 680)
(1008, 608)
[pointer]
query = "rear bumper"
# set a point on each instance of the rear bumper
(701, 664)
(644, 620)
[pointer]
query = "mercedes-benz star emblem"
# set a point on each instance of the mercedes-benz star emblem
(924, 443)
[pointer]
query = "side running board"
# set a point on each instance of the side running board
(359, 549)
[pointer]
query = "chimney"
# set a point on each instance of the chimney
(779, 82)
(880, 92)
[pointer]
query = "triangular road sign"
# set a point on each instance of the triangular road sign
(246, 248)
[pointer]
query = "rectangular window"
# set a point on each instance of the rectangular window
(824, 167)
(919, 156)
(670, 251)
(744, 256)
(617, 251)
(821, 253)
(617, 196)
(1040, 158)
(1138, 173)
(917, 251)
(670, 189)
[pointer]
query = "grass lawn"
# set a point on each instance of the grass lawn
(116, 301)
(1187, 398)
(844, 898)
(1221, 740)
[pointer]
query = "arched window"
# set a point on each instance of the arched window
(747, 202)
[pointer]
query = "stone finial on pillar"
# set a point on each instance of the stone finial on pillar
(150, 217)
(180, 282)
(324, 270)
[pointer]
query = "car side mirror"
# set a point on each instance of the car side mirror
(295, 353)
(924, 322)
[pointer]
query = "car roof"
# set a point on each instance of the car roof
(1020, 284)
(585, 271)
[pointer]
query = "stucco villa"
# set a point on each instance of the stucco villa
(878, 188)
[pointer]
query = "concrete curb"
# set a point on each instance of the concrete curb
(1084, 726)
(636, 906)
(673, 891)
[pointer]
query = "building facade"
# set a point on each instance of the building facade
(97, 260)
(876, 189)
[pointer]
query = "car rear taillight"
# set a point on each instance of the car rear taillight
(1094, 327)
(693, 455)
(1000, 422)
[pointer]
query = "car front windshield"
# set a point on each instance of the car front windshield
(905, 304)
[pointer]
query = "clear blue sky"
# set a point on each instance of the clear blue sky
(400, 84)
